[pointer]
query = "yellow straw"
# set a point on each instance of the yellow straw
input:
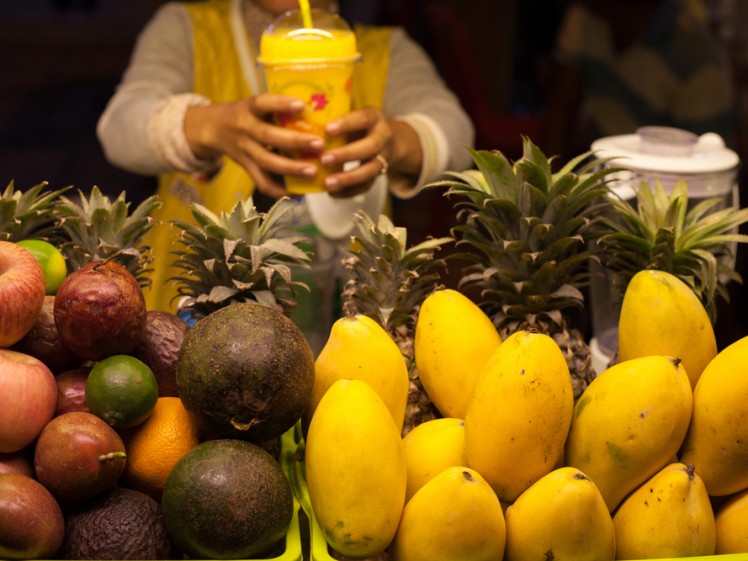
(306, 13)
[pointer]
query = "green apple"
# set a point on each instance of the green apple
(51, 260)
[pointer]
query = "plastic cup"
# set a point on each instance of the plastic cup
(316, 65)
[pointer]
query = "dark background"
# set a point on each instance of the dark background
(60, 61)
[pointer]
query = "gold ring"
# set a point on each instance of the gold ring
(385, 165)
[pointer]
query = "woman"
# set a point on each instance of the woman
(192, 109)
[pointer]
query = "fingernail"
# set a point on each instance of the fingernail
(327, 160)
(297, 105)
(317, 144)
(333, 127)
(309, 171)
(331, 182)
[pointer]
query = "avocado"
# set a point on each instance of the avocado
(246, 372)
(120, 524)
(227, 499)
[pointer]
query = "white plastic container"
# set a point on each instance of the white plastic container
(668, 154)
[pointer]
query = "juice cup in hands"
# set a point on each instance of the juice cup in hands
(316, 65)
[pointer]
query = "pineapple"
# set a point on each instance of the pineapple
(96, 228)
(528, 231)
(239, 256)
(662, 233)
(29, 214)
(388, 282)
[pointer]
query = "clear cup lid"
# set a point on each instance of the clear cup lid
(288, 40)
(667, 150)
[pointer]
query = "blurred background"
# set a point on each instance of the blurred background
(62, 59)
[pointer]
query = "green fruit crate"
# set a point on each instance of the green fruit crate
(318, 547)
(293, 550)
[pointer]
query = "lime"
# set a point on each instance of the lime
(122, 390)
(51, 260)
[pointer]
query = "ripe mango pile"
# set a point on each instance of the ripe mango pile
(650, 462)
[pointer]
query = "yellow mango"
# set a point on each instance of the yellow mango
(731, 521)
(355, 469)
(561, 516)
(359, 348)
(661, 315)
(432, 447)
(717, 440)
(519, 414)
(670, 515)
(454, 339)
(629, 423)
(454, 517)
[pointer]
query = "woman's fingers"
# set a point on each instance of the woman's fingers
(266, 103)
(373, 133)
(361, 119)
(263, 181)
(272, 121)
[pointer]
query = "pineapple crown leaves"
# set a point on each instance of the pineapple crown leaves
(97, 228)
(240, 256)
(388, 280)
(528, 228)
(28, 214)
(662, 232)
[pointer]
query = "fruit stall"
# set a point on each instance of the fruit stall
(401, 420)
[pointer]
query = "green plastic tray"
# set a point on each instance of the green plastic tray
(293, 550)
(318, 546)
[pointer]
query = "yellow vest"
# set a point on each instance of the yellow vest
(218, 76)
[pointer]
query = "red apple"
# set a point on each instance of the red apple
(21, 292)
(100, 311)
(28, 398)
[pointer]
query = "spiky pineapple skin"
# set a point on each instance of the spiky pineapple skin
(388, 282)
(527, 233)
(664, 232)
(97, 228)
(239, 256)
(29, 214)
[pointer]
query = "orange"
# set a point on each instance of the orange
(156, 445)
(122, 390)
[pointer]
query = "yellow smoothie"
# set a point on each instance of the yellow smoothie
(316, 65)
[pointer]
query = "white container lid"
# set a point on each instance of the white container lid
(667, 150)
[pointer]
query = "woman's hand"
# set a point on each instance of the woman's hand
(243, 131)
(370, 135)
